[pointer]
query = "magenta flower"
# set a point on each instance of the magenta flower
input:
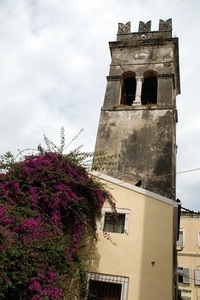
(48, 204)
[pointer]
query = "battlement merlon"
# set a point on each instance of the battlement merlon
(144, 31)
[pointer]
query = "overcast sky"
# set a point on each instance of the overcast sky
(54, 59)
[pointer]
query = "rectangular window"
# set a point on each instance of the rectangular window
(109, 223)
(104, 290)
(197, 276)
(180, 241)
(183, 275)
(186, 294)
(113, 224)
(106, 287)
(198, 238)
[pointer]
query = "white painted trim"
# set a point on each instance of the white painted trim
(125, 211)
(185, 272)
(113, 279)
(134, 188)
(183, 245)
(198, 238)
(197, 276)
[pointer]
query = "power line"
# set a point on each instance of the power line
(177, 173)
(191, 170)
(190, 21)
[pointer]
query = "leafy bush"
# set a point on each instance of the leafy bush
(48, 204)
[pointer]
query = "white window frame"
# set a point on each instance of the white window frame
(198, 238)
(185, 272)
(111, 279)
(197, 276)
(181, 244)
(186, 294)
(124, 211)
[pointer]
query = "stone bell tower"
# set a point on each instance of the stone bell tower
(137, 127)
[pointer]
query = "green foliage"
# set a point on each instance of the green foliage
(102, 161)
(49, 205)
(6, 161)
(160, 36)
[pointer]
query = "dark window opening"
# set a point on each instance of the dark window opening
(99, 290)
(180, 279)
(149, 90)
(183, 275)
(113, 224)
(128, 89)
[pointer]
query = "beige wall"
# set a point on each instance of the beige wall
(189, 255)
(145, 254)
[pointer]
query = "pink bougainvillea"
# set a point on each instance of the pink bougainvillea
(47, 204)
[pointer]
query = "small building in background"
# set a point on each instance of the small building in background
(188, 249)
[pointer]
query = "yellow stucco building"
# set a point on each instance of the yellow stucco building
(135, 255)
(188, 247)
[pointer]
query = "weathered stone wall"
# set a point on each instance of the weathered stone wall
(112, 91)
(139, 145)
(165, 90)
(162, 58)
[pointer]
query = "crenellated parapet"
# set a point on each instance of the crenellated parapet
(165, 25)
(124, 28)
(144, 31)
(143, 27)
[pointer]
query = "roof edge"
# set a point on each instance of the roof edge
(134, 188)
